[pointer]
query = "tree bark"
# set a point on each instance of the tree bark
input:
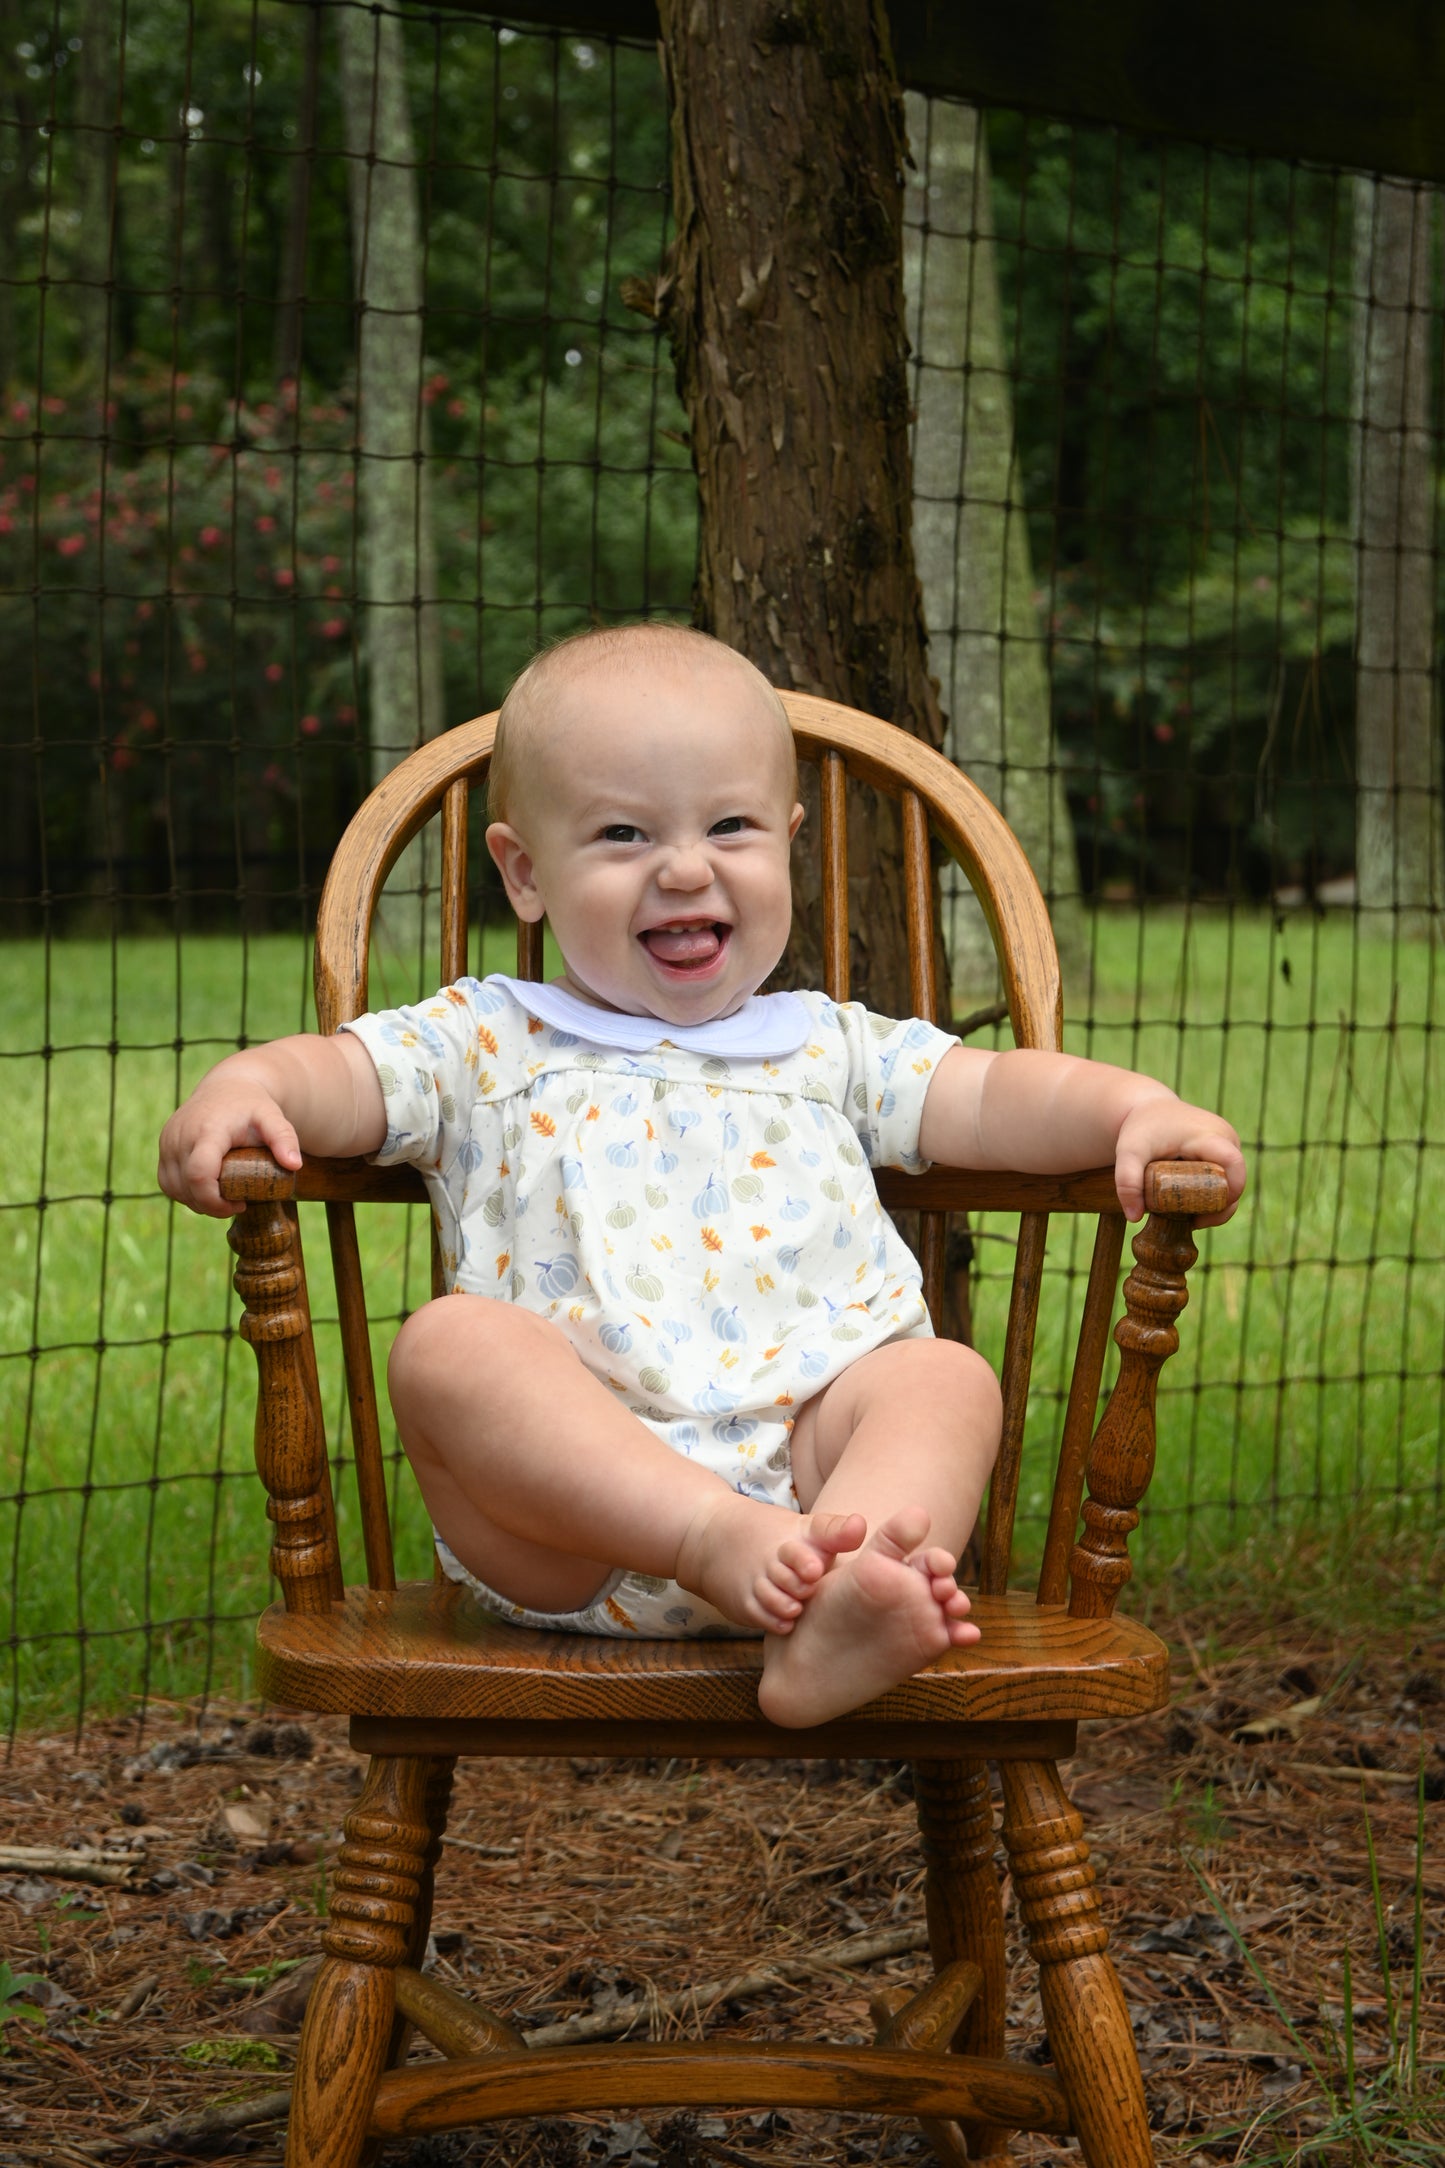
(397, 587)
(970, 531)
(287, 348)
(785, 311)
(1399, 844)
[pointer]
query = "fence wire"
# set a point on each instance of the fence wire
(321, 406)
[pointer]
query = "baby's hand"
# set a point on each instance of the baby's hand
(223, 1110)
(1163, 1127)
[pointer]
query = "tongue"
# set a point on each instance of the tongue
(683, 944)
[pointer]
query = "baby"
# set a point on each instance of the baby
(685, 1381)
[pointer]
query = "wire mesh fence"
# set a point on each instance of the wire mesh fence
(1176, 460)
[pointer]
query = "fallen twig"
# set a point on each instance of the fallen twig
(73, 1866)
(185, 2130)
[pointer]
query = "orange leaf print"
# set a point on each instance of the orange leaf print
(486, 1038)
(651, 1132)
(762, 1159)
(711, 1239)
(534, 1023)
(504, 1258)
(544, 1125)
(770, 1352)
(784, 1400)
(458, 1000)
(760, 1233)
(593, 1112)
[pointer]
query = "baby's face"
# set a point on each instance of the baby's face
(653, 830)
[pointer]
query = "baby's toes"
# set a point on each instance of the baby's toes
(778, 1605)
(797, 1567)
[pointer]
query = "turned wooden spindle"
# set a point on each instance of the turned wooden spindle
(1121, 1458)
(290, 1432)
(929, 2019)
(350, 2018)
(964, 1908)
(1084, 2007)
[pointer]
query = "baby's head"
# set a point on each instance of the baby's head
(643, 797)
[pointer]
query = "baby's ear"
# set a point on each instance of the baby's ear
(795, 821)
(514, 863)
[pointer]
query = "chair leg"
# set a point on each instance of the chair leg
(1084, 2007)
(965, 1913)
(350, 2017)
(438, 1800)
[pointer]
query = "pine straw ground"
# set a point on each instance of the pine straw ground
(153, 1997)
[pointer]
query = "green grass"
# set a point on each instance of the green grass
(1310, 1379)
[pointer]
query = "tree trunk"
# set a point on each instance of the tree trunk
(785, 311)
(287, 349)
(397, 563)
(96, 101)
(1399, 845)
(970, 532)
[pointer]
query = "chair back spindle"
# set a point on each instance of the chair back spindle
(833, 796)
(1099, 1301)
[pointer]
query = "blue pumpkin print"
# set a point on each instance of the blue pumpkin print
(664, 1162)
(734, 1429)
(794, 1208)
(918, 1034)
(810, 1159)
(558, 1276)
(625, 1103)
(682, 1119)
(564, 1038)
(488, 999)
(715, 1400)
(841, 1236)
(676, 1329)
(813, 1362)
(622, 1154)
(573, 1173)
(616, 1338)
(710, 1200)
(729, 1132)
(683, 1435)
(677, 1614)
(727, 1325)
(788, 1258)
(887, 1102)
(469, 1155)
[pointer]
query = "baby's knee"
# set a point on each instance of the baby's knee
(962, 1379)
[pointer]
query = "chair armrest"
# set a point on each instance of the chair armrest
(1121, 1457)
(290, 1432)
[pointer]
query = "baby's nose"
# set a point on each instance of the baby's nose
(686, 866)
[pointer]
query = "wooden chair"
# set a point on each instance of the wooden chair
(424, 1676)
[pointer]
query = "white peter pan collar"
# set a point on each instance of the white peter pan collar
(765, 1027)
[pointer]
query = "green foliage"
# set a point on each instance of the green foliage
(15, 1987)
(231, 2054)
(1392, 2118)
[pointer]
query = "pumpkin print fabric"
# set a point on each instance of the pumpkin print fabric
(703, 1227)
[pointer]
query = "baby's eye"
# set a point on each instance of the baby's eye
(621, 832)
(732, 825)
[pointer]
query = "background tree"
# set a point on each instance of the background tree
(970, 528)
(785, 310)
(1400, 843)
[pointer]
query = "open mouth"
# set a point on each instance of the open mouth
(691, 946)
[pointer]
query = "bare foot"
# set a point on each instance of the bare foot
(880, 1616)
(758, 1563)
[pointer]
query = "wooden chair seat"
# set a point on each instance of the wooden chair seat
(425, 1675)
(428, 1650)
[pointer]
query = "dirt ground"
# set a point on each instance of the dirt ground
(569, 1883)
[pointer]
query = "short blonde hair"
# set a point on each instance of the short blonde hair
(514, 754)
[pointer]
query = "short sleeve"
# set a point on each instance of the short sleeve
(435, 1061)
(890, 1067)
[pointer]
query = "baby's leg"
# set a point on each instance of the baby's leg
(542, 1483)
(906, 1437)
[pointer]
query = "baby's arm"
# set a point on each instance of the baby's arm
(1043, 1113)
(303, 1094)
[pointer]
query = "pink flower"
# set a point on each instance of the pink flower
(147, 718)
(143, 610)
(311, 724)
(122, 757)
(346, 715)
(7, 524)
(1164, 732)
(265, 524)
(331, 564)
(52, 405)
(20, 410)
(70, 545)
(209, 537)
(196, 657)
(274, 673)
(273, 477)
(456, 408)
(284, 576)
(333, 628)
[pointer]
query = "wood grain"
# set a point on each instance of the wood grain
(429, 1649)
(555, 2081)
